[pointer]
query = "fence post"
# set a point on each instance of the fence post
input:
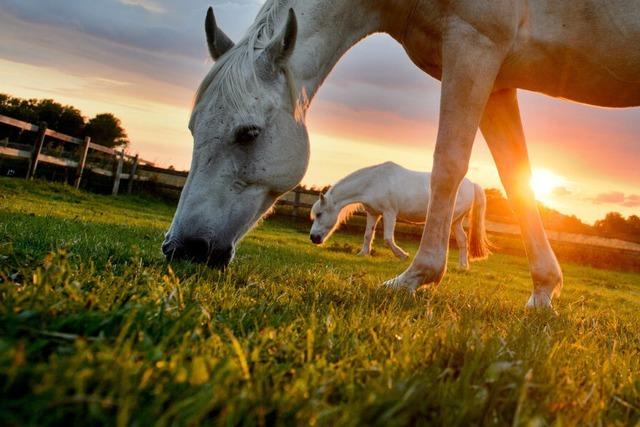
(83, 160)
(296, 201)
(117, 172)
(35, 153)
(132, 174)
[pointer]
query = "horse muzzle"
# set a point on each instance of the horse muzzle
(198, 250)
(316, 239)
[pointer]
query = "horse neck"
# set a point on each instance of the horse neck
(328, 29)
(349, 190)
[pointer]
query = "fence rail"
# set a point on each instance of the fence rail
(18, 123)
(300, 200)
(141, 170)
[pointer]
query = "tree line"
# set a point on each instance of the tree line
(613, 225)
(104, 129)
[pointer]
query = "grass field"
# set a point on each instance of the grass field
(95, 328)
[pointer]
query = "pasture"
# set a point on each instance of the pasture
(95, 328)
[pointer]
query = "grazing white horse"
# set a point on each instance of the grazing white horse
(250, 139)
(396, 193)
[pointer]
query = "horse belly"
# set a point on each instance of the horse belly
(584, 50)
(416, 216)
(413, 200)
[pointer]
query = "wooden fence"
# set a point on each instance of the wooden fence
(139, 170)
(299, 200)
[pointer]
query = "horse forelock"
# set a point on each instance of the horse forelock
(229, 74)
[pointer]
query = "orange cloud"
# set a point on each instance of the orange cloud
(618, 198)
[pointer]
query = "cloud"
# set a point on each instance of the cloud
(148, 5)
(165, 41)
(129, 23)
(633, 200)
(617, 198)
(561, 191)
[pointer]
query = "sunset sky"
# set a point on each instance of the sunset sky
(143, 59)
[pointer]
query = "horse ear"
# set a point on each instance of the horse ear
(281, 47)
(322, 198)
(217, 41)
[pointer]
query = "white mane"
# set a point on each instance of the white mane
(228, 73)
(347, 212)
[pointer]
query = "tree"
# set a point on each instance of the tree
(498, 206)
(21, 109)
(47, 110)
(64, 119)
(106, 129)
(554, 220)
(71, 121)
(613, 223)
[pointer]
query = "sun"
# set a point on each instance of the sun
(543, 182)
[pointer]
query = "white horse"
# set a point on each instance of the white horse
(250, 139)
(396, 193)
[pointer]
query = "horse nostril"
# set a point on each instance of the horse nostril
(220, 258)
(167, 248)
(315, 239)
(196, 248)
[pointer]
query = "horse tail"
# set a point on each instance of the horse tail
(479, 244)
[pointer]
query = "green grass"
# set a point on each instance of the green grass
(96, 329)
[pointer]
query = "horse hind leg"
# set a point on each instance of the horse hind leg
(389, 219)
(502, 129)
(463, 244)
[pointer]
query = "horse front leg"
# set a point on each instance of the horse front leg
(502, 129)
(470, 65)
(369, 233)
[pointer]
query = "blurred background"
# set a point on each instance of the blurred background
(141, 61)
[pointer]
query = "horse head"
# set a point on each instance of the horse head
(250, 142)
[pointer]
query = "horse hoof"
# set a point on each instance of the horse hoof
(400, 254)
(401, 282)
(539, 300)
(397, 284)
(463, 267)
(361, 253)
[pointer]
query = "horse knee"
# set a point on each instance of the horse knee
(447, 174)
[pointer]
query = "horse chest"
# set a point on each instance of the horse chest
(421, 39)
(425, 53)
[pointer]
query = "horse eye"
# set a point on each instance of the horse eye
(247, 134)
(318, 215)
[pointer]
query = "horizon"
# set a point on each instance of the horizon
(142, 61)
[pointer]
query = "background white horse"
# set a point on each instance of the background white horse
(396, 193)
(251, 143)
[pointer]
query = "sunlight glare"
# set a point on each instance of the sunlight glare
(543, 182)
